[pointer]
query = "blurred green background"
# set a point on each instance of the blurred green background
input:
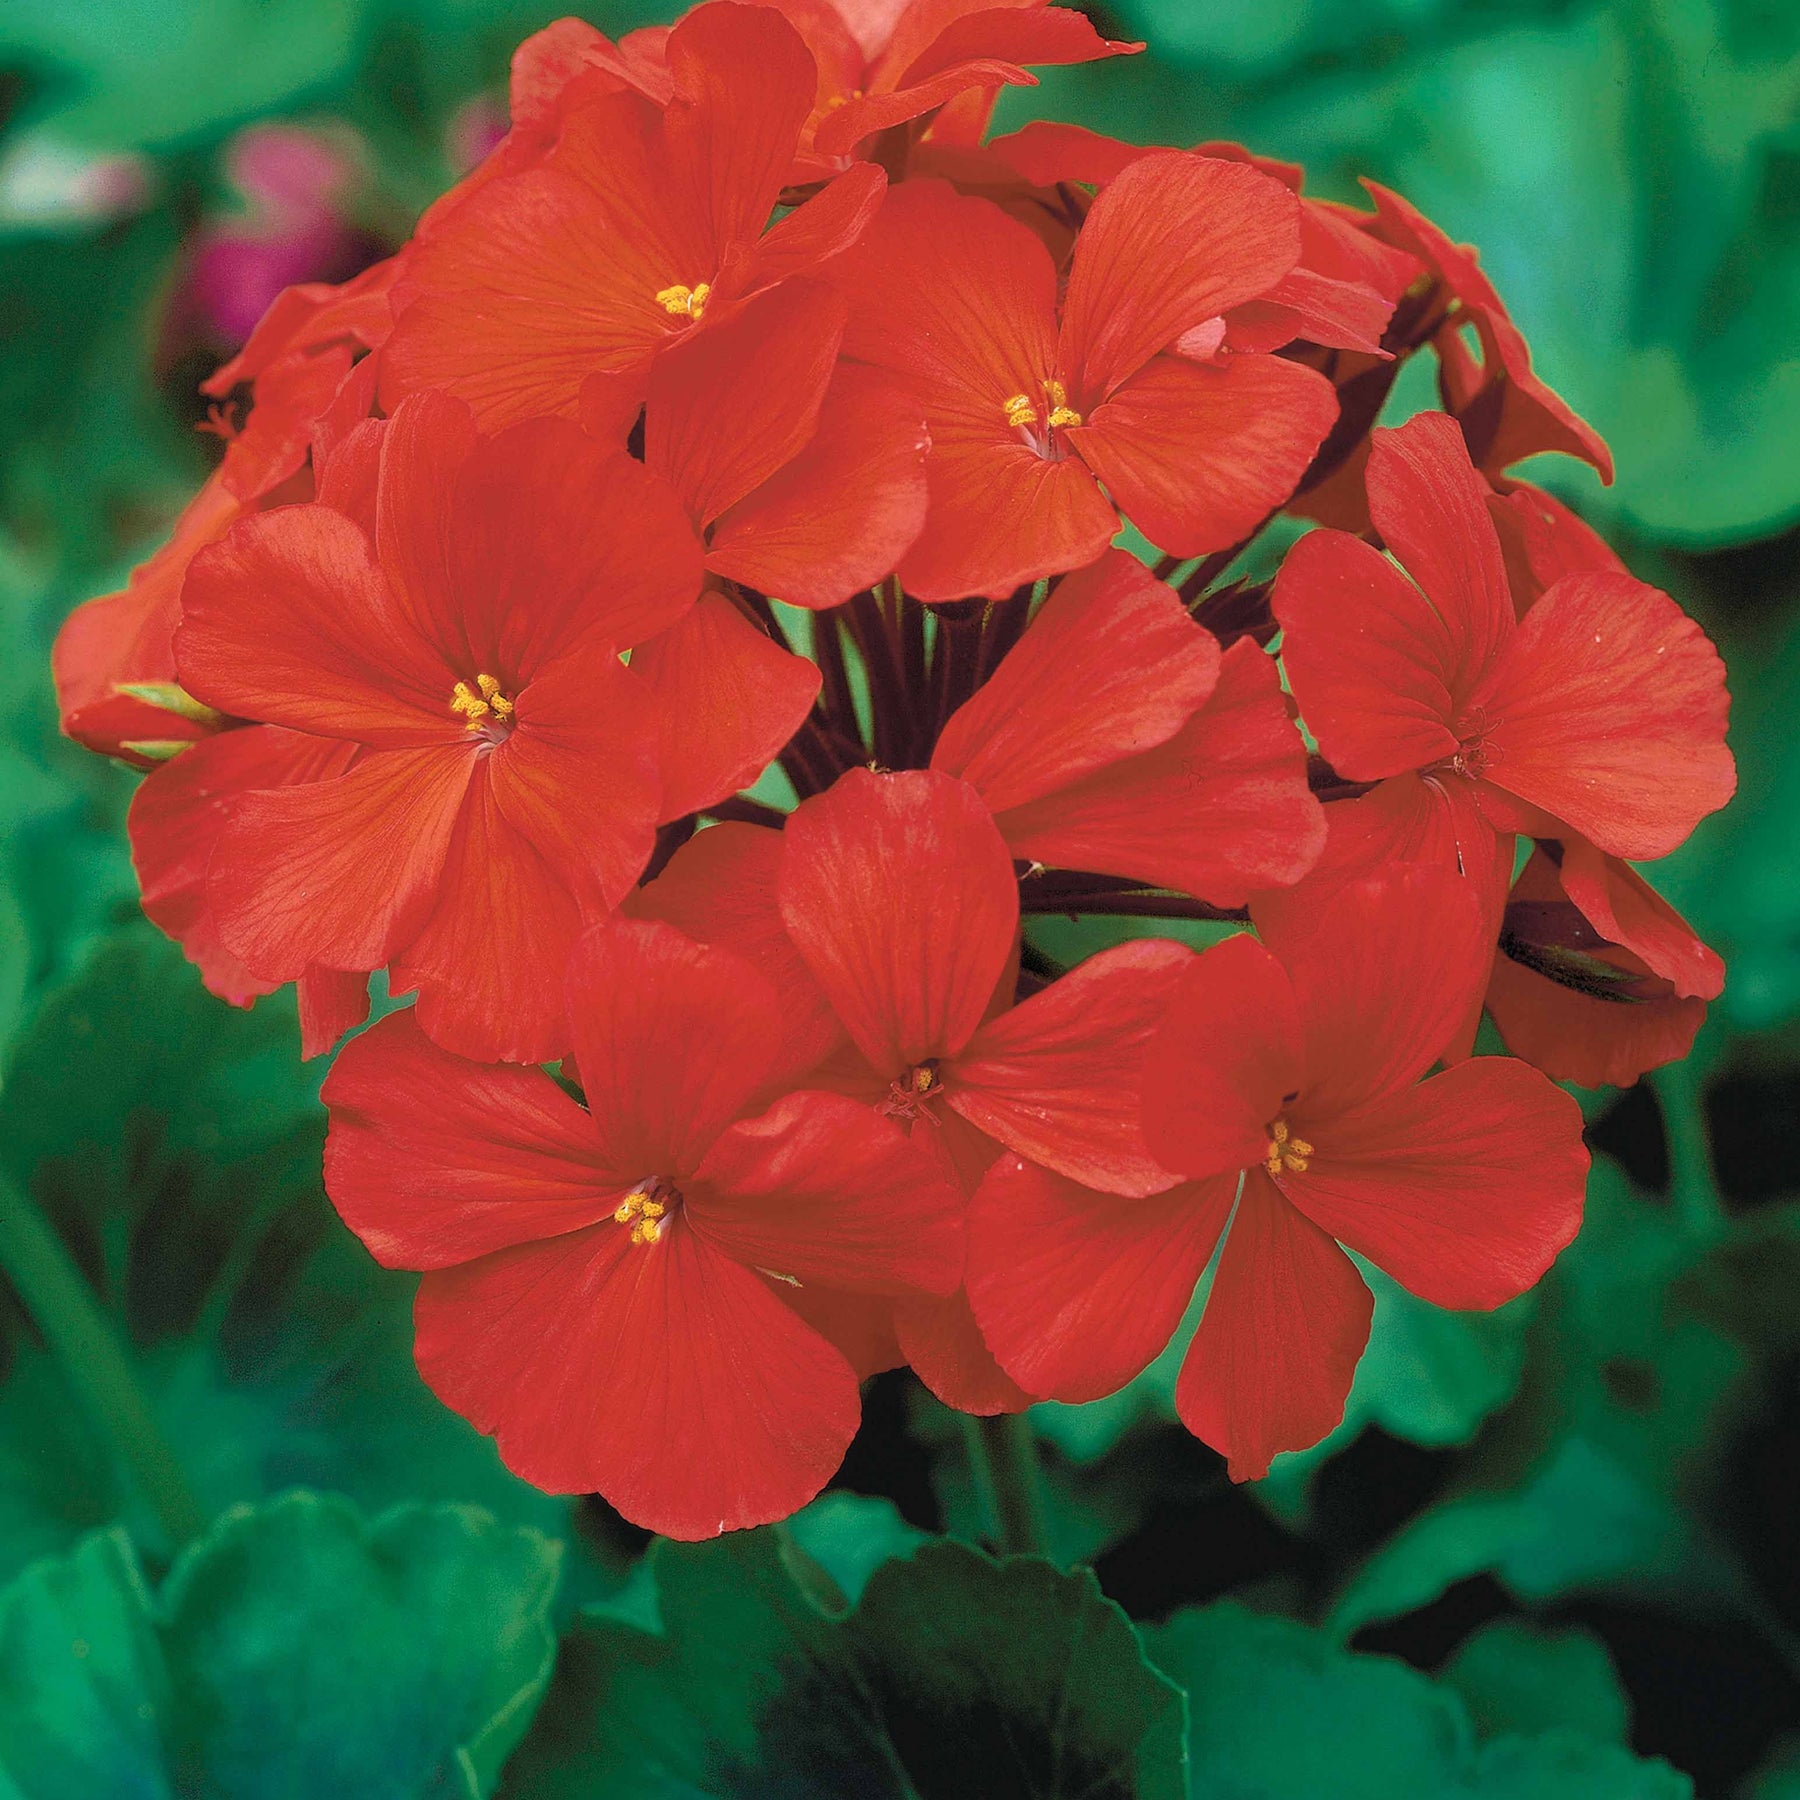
(1581, 1515)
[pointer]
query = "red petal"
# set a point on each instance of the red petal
(543, 278)
(1044, 35)
(821, 1188)
(424, 446)
(559, 541)
(840, 516)
(1386, 970)
(900, 894)
(1175, 239)
(943, 1343)
(862, 116)
(432, 1160)
(729, 406)
(1543, 541)
(1623, 907)
(1373, 667)
(1463, 1188)
(1345, 315)
(340, 872)
(744, 89)
(859, 1326)
(663, 1376)
(1047, 151)
(1198, 455)
(1284, 1327)
(289, 621)
(331, 1002)
(820, 228)
(1056, 1078)
(1432, 509)
(1075, 1291)
(1113, 664)
(727, 698)
(720, 888)
(176, 817)
(1221, 810)
(1577, 1037)
(1206, 1113)
(1609, 712)
(672, 1038)
(1000, 516)
(489, 961)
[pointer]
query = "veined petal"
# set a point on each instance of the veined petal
(726, 698)
(1284, 1328)
(1198, 455)
(839, 517)
(1431, 508)
(720, 887)
(1222, 810)
(1076, 1292)
(1173, 240)
(1463, 1188)
(821, 1188)
(1371, 663)
(730, 406)
(1058, 1077)
(899, 893)
(288, 620)
(1113, 664)
(1206, 1113)
(340, 872)
(432, 1160)
(944, 1345)
(1623, 907)
(1609, 713)
(663, 1376)
(671, 1037)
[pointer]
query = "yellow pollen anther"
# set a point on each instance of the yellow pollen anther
(924, 1079)
(1286, 1151)
(1019, 411)
(645, 1212)
(480, 703)
(684, 301)
(1061, 412)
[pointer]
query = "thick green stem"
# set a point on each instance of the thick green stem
(93, 1361)
(1693, 1183)
(1003, 1459)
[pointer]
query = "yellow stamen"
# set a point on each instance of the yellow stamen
(684, 301)
(1061, 412)
(924, 1079)
(1286, 1152)
(477, 707)
(1019, 411)
(644, 1212)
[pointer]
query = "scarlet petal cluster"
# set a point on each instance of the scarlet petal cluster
(669, 620)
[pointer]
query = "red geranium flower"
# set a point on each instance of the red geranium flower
(114, 658)
(804, 475)
(1028, 415)
(604, 1289)
(1296, 1067)
(641, 223)
(1114, 738)
(501, 785)
(1600, 713)
(1599, 978)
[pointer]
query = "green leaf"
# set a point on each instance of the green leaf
(954, 1675)
(295, 1649)
(174, 1143)
(1602, 1476)
(1517, 1676)
(1277, 1713)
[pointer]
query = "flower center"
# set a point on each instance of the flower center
(1471, 757)
(647, 1207)
(685, 302)
(1286, 1151)
(483, 707)
(1022, 412)
(910, 1097)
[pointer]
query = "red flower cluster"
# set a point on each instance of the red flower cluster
(747, 414)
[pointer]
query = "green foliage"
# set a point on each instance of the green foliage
(952, 1675)
(1276, 1713)
(295, 1649)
